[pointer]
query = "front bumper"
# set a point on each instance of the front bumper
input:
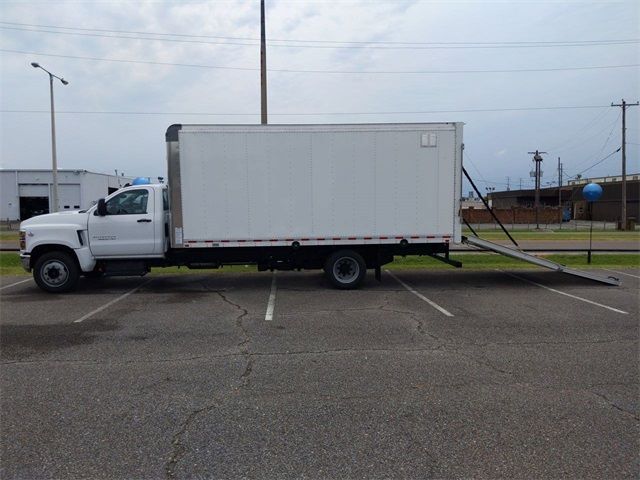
(25, 258)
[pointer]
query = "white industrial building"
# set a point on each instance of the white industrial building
(26, 193)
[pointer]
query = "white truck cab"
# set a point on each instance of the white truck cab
(131, 223)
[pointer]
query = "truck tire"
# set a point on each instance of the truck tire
(56, 272)
(345, 269)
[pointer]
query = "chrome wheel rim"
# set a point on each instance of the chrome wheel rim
(55, 273)
(346, 270)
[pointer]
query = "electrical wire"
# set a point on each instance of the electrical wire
(369, 42)
(606, 142)
(340, 72)
(466, 155)
(389, 47)
(575, 138)
(598, 162)
(477, 110)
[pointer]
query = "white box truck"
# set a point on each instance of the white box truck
(343, 198)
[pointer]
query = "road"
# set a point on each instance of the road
(431, 374)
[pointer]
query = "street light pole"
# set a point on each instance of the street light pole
(54, 157)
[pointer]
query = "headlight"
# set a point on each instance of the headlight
(23, 240)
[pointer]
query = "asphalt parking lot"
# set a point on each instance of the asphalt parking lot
(428, 374)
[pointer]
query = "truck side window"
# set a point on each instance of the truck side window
(131, 202)
(165, 200)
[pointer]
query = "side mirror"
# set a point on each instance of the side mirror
(102, 207)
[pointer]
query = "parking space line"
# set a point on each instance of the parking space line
(14, 284)
(621, 273)
(272, 300)
(115, 300)
(421, 297)
(564, 293)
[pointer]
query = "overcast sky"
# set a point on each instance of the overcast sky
(145, 98)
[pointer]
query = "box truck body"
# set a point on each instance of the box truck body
(272, 185)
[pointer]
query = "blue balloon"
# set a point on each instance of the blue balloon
(592, 192)
(141, 181)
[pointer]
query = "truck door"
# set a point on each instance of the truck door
(127, 229)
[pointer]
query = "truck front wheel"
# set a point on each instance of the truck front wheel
(56, 272)
(345, 269)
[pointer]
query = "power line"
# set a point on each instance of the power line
(466, 155)
(384, 47)
(340, 72)
(575, 137)
(604, 145)
(362, 42)
(598, 162)
(477, 110)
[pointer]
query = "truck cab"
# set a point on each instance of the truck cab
(120, 234)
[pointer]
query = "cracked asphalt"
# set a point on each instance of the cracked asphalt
(184, 378)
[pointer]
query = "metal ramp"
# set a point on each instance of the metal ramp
(520, 255)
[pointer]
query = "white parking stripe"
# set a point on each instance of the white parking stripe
(14, 284)
(621, 273)
(421, 297)
(565, 293)
(272, 300)
(115, 300)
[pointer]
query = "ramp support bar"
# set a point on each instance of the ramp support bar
(464, 170)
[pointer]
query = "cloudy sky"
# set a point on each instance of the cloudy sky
(519, 74)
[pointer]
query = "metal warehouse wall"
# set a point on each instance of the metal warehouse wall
(75, 187)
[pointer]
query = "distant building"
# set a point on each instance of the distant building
(26, 193)
(608, 208)
(603, 180)
(471, 203)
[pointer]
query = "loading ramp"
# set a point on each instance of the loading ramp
(542, 262)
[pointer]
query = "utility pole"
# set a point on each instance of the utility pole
(537, 158)
(520, 183)
(508, 184)
(263, 68)
(560, 186)
(624, 105)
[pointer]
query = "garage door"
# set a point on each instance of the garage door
(34, 190)
(69, 197)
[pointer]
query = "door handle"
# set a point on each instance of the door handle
(144, 220)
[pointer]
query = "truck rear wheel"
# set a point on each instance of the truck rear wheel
(345, 269)
(56, 272)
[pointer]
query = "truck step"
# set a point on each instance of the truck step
(125, 268)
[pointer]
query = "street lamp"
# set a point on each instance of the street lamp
(54, 160)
